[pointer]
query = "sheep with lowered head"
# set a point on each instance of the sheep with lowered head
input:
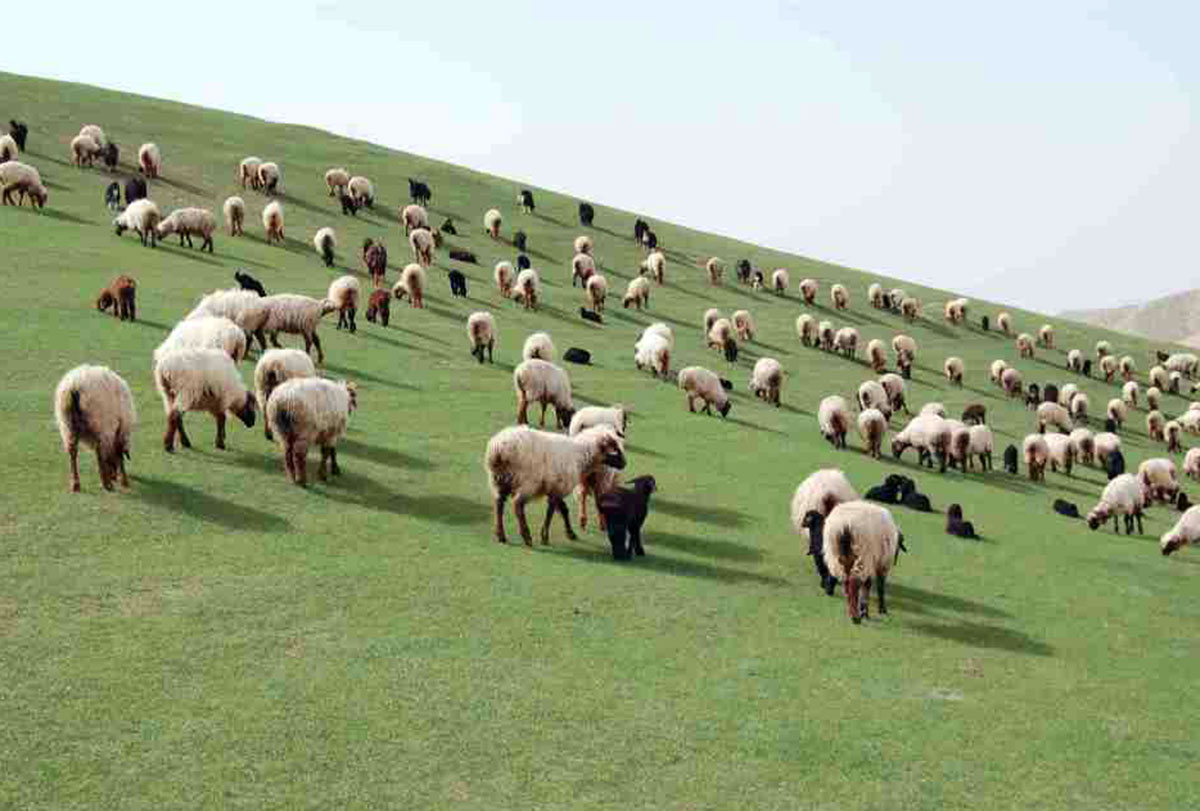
(1037, 453)
(653, 351)
(1172, 432)
(22, 179)
(1060, 452)
(780, 281)
(1186, 531)
(872, 425)
(845, 341)
(411, 285)
(860, 544)
(491, 223)
(539, 381)
(93, 406)
(1117, 411)
(819, 494)
(481, 331)
(597, 292)
(422, 244)
(248, 171)
(806, 328)
(1004, 321)
(268, 177)
(766, 380)
(954, 369)
(336, 181)
(235, 215)
(539, 346)
(872, 394)
(1153, 398)
(1103, 349)
(1129, 393)
(743, 325)
(8, 148)
(1155, 422)
(150, 160)
(200, 380)
(205, 332)
(246, 309)
(1055, 415)
(876, 354)
(1122, 496)
(875, 295)
(324, 242)
(1191, 464)
(1010, 379)
(656, 265)
(700, 384)
(808, 290)
(272, 218)
(275, 367)
(637, 292)
(1159, 479)
(715, 269)
(998, 367)
(1108, 366)
(1025, 345)
(361, 191)
(1085, 445)
(833, 418)
(1046, 336)
(1079, 408)
(527, 289)
(140, 216)
(310, 411)
(840, 296)
(583, 244)
(1075, 360)
(344, 292)
(121, 295)
(910, 308)
(893, 384)
(504, 276)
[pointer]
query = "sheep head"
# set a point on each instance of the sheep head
(1098, 515)
(607, 445)
(247, 410)
(352, 390)
(1170, 543)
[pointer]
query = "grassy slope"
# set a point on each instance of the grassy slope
(219, 638)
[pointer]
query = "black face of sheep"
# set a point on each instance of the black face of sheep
(984, 323)
(112, 196)
(1087, 367)
(1010, 459)
(520, 240)
(247, 411)
(1050, 393)
(448, 227)
(814, 522)
(724, 410)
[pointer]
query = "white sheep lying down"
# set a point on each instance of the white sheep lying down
(307, 411)
(94, 406)
(200, 380)
(860, 543)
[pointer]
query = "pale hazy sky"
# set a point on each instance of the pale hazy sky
(1040, 153)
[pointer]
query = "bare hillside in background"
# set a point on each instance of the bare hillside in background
(1170, 318)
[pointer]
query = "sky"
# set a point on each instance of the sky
(1039, 154)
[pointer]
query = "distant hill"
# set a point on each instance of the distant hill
(1171, 318)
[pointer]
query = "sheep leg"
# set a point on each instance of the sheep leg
(851, 588)
(317, 343)
(1138, 516)
(882, 601)
(489, 348)
(542, 424)
(73, 453)
(353, 325)
(551, 508)
(321, 471)
(522, 409)
(498, 516)
(582, 498)
(288, 463)
(635, 539)
(522, 523)
(208, 241)
(864, 599)
(562, 508)
(300, 463)
(183, 437)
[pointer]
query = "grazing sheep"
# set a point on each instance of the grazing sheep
(246, 309)
(1127, 367)
(527, 464)
(819, 494)
(1122, 496)
(780, 281)
(504, 278)
(200, 380)
(1103, 349)
(974, 414)
(481, 332)
(699, 383)
(872, 425)
(656, 265)
(375, 257)
(1155, 422)
(653, 351)
(272, 219)
(872, 394)
(893, 384)
(275, 367)
(1004, 321)
(297, 315)
(248, 172)
(808, 291)
(845, 340)
(1060, 451)
(22, 179)
(1191, 464)
(344, 292)
(998, 368)
(422, 244)
(1117, 412)
(1107, 446)
(307, 411)
(876, 353)
(582, 269)
(597, 292)
(324, 242)
(625, 512)
(150, 160)
(954, 311)
(1153, 398)
(1172, 432)
(141, 216)
(980, 444)
(205, 332)
(362, 191)
(1010, 379)
(379, 307)
(1085, 445)
(1129, 394)
(412, 284)
(1025, 345)
(1075, 360)
(1183, 362)
(111, 155)
(528, 289)
(860, 545)
(1055, 415)
(1190, 421)
(637, 293)
(1186, 531)
(766, 380)
(905, 348)
(1159, 480)
(84, 150)
(954, 368)
(419, 192)
(189, 222)
(833, 418)
(910, 308)
(715, 269)
(840, 296)
(1108, 366)
(539, 381)
(94, 406)
(539, 346)
(826, 335)
(235, 215)
(414, 218)
(1046, 336)
(1079, 408)
(336, 181)
(1037, 452)
(492, 222)
(875, 295)
(659, 328)
(121, 295)
(806, 328)
(743, 324)
(583, 244)
(934, 408)
(8, 148)
(268, 177)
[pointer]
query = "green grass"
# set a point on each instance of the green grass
(218, 638)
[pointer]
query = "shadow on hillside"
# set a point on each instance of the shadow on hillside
(703, 547)
(670, 285)
(756, 427)
(415, 333)
(204, 507)
(358, 376)
(680, 568)
(152, 324)
(357, 490)
(52, 186)
(59, 214)
(193, 254)
(698, 512)
(859, 318)
(288, 200)
(182, 186)
(642, 450)
(979, 635)
(384, 456)
(920, 601)
(551, 220)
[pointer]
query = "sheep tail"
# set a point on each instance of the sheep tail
(845, 544)
(284, 425)
(900, 547)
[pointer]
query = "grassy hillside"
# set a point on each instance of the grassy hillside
(219, 638)
(1171, 318)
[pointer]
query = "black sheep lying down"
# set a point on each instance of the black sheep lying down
(897, 489)
(955, 525)
(625, 512)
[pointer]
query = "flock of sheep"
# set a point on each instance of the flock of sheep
(195, 369)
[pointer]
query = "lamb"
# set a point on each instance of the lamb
(24, 180)
(845, 340)
(235, 215)
(324, 242)
(19, 132)
(150, 160)
(1025, 345)
(526, 463)
(1191, 464)
(766, 380)
(637, 293)
(1186, 531)
(362, 191)
(539, 381)
(872, 394)
(872, 425)
(1172, 431)
(956, 526)
(743, 324)
(1155, 423)
(84, 150)
(875, 295)
(248, 172)
(998, 367)
(1010, 379)
(980, 444)
(625, 512)
(826, 335)
(1085, 445)
(1153, 398)
(143, 217)
(1079, 408)
(818, 495)
(876, 354)
(1053, 414)
(412, 284)
(1159, 480)
(492, 222)
(860, 545)
(1060, 452)
(1046, 336)
(8, 149)
(246, 309)
(205, 332)
(656, 265)
(121, 295)
(1121, 497)
(268, 177)
(422, 244)
(806, 328)
(893, 384)
(808, 291)
(597, 292)
(840, 296)
(930, 435)
(344, 292)
(1037, 452)
(275, 367)
(953, 368)
(310, 410)
(539, 346)
(200, 380)
(189, 222)
(699, 383)
(336, 181)
(94, 406)
(528, 289)
(1075, 360)
(297, 315)
(1004, 321)
(504, 278)
(272, 219)
(414, 217)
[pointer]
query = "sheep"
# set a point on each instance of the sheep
(1186, 531)
(1190, 421)
(1046, 336)
(272, 219)
(905, 349)
(819, 494)
(539, 381)
(766, 380)
(743, 324)
(248, 172)
(806, 328)
(897, 295)
(1075, 360)
(980, 444)
(1010, 379)
(1117, 412)
(1053, 414)
(876, 354)
(1153, 398)
(653, 351)
(205, 332)
(780, 281)
(936, 409)
(419, 192)
(268, 177)
(121, 295)
(246, 309)
(504, 278)
(1108, 366)
(189, 222)
(875, 295)
(135, 189)
(715, 269)
(1037, 452)
(661, 329)
(582, 268)
(414, 217)
(699, 383)
(998, 367)
(275, 367)
(1106, 444)
(362, 191)
(1122, 496)
(200, 380)
(1025, 345)
(721, 334)
(492, 222)
(143, 217)
(526, 463)
(324, 242)
(422, 244)
(1127, 368)
(872, 394)
(1155, 422)
(1191, 464)
(336, 181)
(625, 512)
(910, 308)
(826, 335)
(1060, 451)
(297, 315)
(954, 311)
(1079, 408)
(655, 264)
(808, 290)
(587, 213)
(840, 296)
(930, 435)
(344, 292)
(528, 289)
(583, 244)
(481, 332)
(19, 132)
(150, 160)
(872, 425)
(8, 148)
(1158, 479)
(1004, 321)
(84, 150)
(637, 292)
(1129, 394)
(310, 410)
(93, 405)
(845, 340)
(111, 155)
(1182, 362)
(235, 215)
(1103, 349)
(1172, 432)
(539, 346)
(24, 180)
(893, 384)
(954, 368)
(597, 292)
(974, 414)
(833, 418)
(1085, 445)
(860, 544)
(412, 284)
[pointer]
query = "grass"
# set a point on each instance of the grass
(218, 638)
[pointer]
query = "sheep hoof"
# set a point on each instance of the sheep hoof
(856, 620)
(75, 489)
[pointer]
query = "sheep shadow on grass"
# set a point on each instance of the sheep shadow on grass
(183, 186)
(288, 200)
(916, 600)
(673, 566)
(358, 375)
(358, 490)
(702, 547)
(59, 214)
(699, 513)
(980, 635)
(384, 456)
(204, 507)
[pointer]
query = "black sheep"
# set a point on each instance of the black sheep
(887, 301)
(743, 271)
(111, 156)
(135, 189)
(1182, 503)
(955, 525)
(1066, 508)
(640, 227)
(1087, 367)
(458, 283)
(348, 205)
(419, 191)
(731, 350)
(1033, 398)
(248, 282)
(523, 262)
(586, 214)
(1110, 425)
(19, 132)
(112, 196)
(984, 323)
(814, 522)
(448, 227)
(758, 280)
(1011, 456)
(909, 497)
(650, 240)
(625, 512)
(463, 256)
(527, 201)
(520, 240)
(1115, 465)
(588, 315)
(577, 355)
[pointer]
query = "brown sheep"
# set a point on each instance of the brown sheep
(121, 295)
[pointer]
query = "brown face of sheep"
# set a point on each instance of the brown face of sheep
(610, 451)
(105, 301)
(1171, 546)
(898, 447)
(247, 410)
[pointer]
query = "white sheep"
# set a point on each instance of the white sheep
(897, 296)
(1060, 451)
(954, 311)
(1055, 415)
(205, 332)
(876, 354)
(699, 383)
(1108, 367)
(845, 340)
(981, 444)
(248, 171)
(412, 285)
(140, 216)
(954, 368)
(1079, 408)
(336, 181)
(1010, 379)
(422, 244)
(715, 269)
(833, 418)
(84, 150)
(614, 416)
(1025, 345)
(481, 332)
(1037, 452)
(189, 222)
(1127, 367)
(653, 352)
(872, 394)
(721, 334)
(860, 545)
(1046, 336)
(781, 280)
(905, 348)
(1155, 422)
(937, 409)
(1117, 411)
(637, 292)
(1129, 393)
(1191, 464)
(8, 148)
(840, 296)
(1103, 349)
(310, 411)
(872, 425)
(893, 384)
(539, 381)
(1122, 496)
(362, 191)
(150, 160)
(814, 499)
(875, 295)
(1172, 431)
(324, 243)
(539, 346)
(1186, 531)
(504, 278)
(235, 215)
(528, 289)
(94, 406)
(97, 135)
(268, 177)
(272, 219)
(582, 268)
(492, 222)
(806, 329)
(527, 464)
(766, 380)
(998, 367)
(743, 324)
(656, 265)
(910, 308)
(22, 179)
(597, 292)
(276, 366)
(583, 244)
(1159, 479)
(1153, 398)
(1182, 362)
(1085, 445)
(606, 479)
(297, 315)
(659, 328)
(1105, 444)
(1075, 360)
(414, 217)
(808, 290)
(345, 292)
(1004, 321)
(200, 380)
(246, 309)
(1190, 420)
(1066, 394)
